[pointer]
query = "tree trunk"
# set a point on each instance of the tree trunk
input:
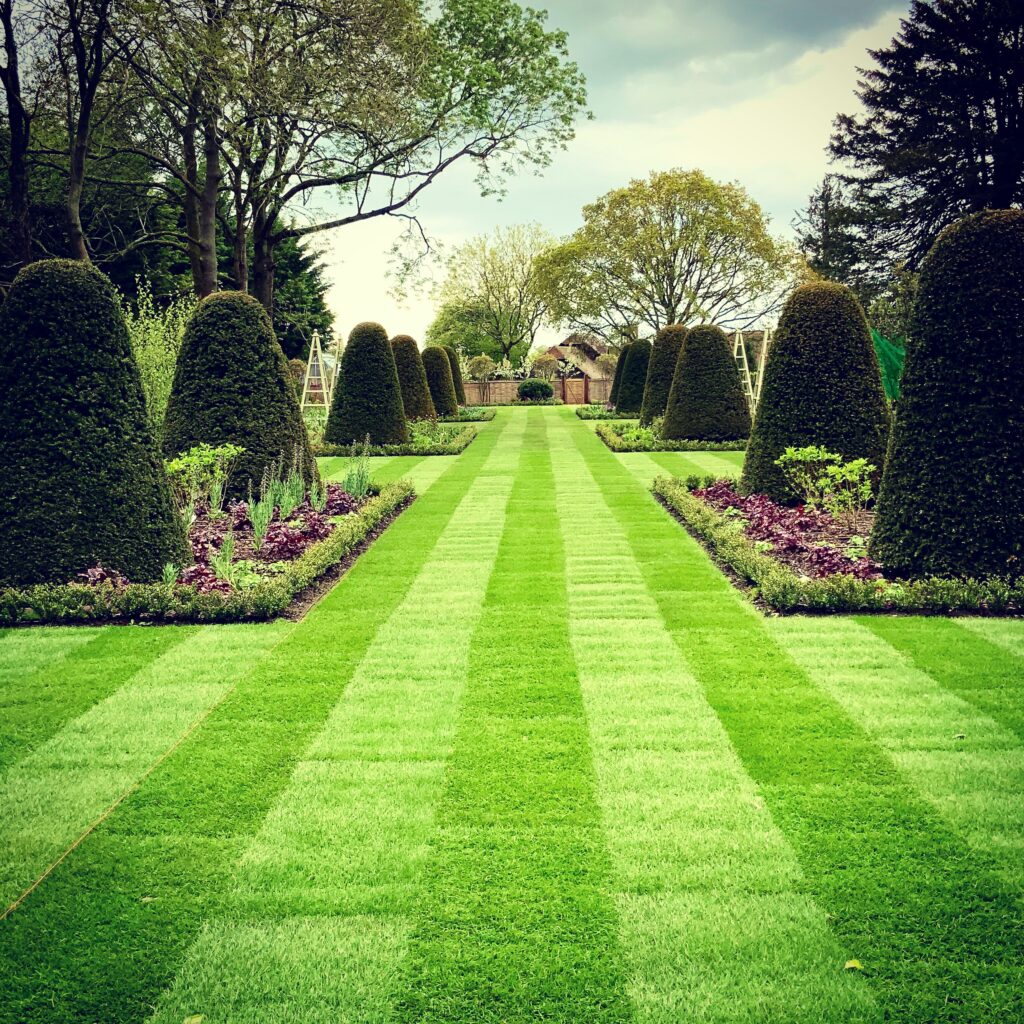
(76, 184)
(240, 249)
(207, 227)
(20, 126)
(263, 263)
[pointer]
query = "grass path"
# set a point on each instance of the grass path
(533, 759)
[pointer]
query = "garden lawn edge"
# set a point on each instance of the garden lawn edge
(782, 590)
(457, 443)
(158, 602)
(614, 440)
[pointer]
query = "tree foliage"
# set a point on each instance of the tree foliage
(673, 248)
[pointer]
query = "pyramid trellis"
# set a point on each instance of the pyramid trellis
(318, 386)
(752, 381)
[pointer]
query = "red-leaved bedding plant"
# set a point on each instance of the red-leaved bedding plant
(788, 530)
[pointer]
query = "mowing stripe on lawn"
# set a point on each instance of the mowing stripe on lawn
(724, 464)
(323, 895)
(965, 763)
(936, 926)
(104, 935)
(715, 922)
(65, 784)
(516, 923)
(37, 699)
(965, 662)
(1005, 633)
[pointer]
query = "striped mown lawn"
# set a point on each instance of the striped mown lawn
(533, 759)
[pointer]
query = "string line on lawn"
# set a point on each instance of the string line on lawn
(714, 919)
(935, 925)
(116, 920)
(316, 925)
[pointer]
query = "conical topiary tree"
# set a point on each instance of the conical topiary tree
(439, 378)
(460, 388)
(706, 402)
(822, 386)
(952, 496)
(367, 399)
(620, 365)
(660, 371)
(634, 377)
(232, 385)
(83, 482)
(412, 379)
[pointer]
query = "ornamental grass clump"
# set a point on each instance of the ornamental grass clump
(822, 386)
(706, 401)
(368, 396)
(661, 371)
(952, 494)
(412, 379)
(83, 482)
(232, 385)
(630, 395)
(439, 378)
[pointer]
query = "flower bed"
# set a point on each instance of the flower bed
(602, 412)
(631, 437)
(790, 560)
(471, 414)
(294, 555)
(427, 439)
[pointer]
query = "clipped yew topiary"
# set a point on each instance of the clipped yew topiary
(822, 386)
(661, 370)
(460, 388)
(634, 377)
(706, 402)
(952, 496)
(232, 385)
(412, 379)
(439, 378)
(367, 399)
(83, 482)
(620, 365)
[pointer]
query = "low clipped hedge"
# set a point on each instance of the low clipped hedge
(611, 434)
(451, 439)
(472, 414)
(782, 590)
(600, 412)
(161, 602)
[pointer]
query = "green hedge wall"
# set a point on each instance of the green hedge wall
(460, 388)
(620, 365)
(439, 377)
(660, 371)
(412, 379)
(634, 377)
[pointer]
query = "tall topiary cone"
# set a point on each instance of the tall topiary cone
(83, 482)
(412, 379)
(460, 387)
(822, 386)
(232, 385)
(439, 379)
(620, 365)
(368, 397)
(634, 378)
(661, 370)
(706, 402)
(952, 495)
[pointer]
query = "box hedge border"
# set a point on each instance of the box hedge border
(457, 443)
(599, 412)
(615, 441)
(779, 588)
(160, 603)
(471, 414)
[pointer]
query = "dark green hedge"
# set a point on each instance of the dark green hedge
(660, 371)
(448, 439)
(412, 379)
(625, 437)
(439, 377)
(533, 389)
(620, 365)
(460, 388)
(634, 377)
(232, 384)
(706, 402)
(82, 478)
(367, 398)
(952, 497)
(822, 386)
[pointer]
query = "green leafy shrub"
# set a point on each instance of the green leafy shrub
(533, 389)
(620, 365)
(368, 397)
(823, 480)
(660, 371)
(460, 388)
(438, 366)
(232, 386)
(83, 483)
(297, 372)
(482, 368)
(412, 379)
(822, 386)
(634, 377)
(706, 401)
(952, 495)
(200, 477)
(544, 366)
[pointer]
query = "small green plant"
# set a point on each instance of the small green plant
(261, 512)
(805, 470)
(318, 496)
(481, 368)
(220, 561)
(357, 474)
(856, 547)
(848, 488)
(170, 574)
(200, 476)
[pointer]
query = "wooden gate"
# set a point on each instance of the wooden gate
(574, 390)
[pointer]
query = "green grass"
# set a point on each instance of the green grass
(534, 759)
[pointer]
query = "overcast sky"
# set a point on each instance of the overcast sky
(745, 90)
